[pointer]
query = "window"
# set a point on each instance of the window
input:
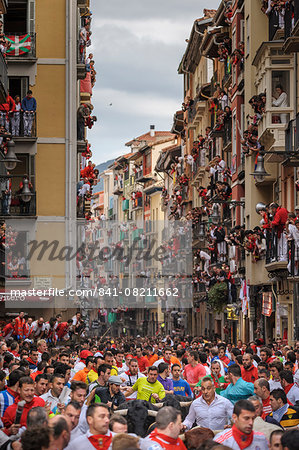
(18, 86)
(20, 17)
(280, 95)
(247, 35)
(234, 38)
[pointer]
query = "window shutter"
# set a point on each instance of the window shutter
(31, 16)
(24, 86)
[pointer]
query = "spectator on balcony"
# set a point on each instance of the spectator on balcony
(16, 117)
(29, 108)
(293, 235)
(6, 110)
(82, 114)
(83, 39)
(223, 100)
(204, 256)
(280, 217)
(280, 100)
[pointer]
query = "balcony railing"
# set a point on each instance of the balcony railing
(3, 79)
(23, 46)
(137, 203)
(23, 126)
(292, 136)
(21, 209)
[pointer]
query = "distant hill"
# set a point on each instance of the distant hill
(101, 167)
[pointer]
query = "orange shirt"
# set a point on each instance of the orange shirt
(81, 375)
(152, 358)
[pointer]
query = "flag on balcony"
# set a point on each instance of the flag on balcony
(19, 45)
(267, 305)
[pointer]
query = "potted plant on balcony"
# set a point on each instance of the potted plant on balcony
(218, 296)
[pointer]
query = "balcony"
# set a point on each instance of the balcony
(293, 266)
(137, 203)
(3, 79)
(27, 130)
(291, 30)
(118, 187)
(83, 3)
(141, 177)
(81, 66)
(292, 143)
(81, 146)
(19, 209)
(272, 129)
(276, 253)
(23, 47)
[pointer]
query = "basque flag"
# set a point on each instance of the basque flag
(19, 45)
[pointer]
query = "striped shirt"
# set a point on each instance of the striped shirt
(7, 398)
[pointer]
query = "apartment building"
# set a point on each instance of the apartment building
(239, 143)
(43, 57)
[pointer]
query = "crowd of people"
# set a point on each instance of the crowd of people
(60, 389)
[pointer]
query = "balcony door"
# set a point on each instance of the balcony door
(20, 17)
(18, 86)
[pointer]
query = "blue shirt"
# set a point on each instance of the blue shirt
(6, 399)
(167, 383)
(29, 104)
(181, 387)
(240, 390)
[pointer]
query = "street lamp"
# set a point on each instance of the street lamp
(260, 172)
(25, 193)
(215, 216)
(10, 160)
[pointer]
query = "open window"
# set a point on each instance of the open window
(18, 86)
(20, 17)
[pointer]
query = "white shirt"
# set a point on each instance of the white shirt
(296, 378)
(49, 397)
(274, 385)
(214, 416)
(281, 101)
(82, 442)
(129, 381)
(36, 329)
(259, 441)
(293, 394)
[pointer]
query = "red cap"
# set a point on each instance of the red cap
(129, 356)
(85, 353)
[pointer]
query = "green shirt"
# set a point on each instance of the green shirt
(145, 389)
(218, 388)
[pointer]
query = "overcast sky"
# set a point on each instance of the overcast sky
(137, 48)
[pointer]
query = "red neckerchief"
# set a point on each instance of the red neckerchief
(167, 362)
(30, 361)
(100, 441)
(243, 440)
(287, 388)
(11, 392)
(171, 442)
(16, 354)
(119, 364)
(216, 382)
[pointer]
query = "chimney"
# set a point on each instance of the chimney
(152, 130)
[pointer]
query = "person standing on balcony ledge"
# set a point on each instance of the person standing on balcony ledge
(29, 108)
(280, 100)
(280, 217)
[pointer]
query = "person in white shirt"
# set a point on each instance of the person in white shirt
(281, 101)
(204, 256)
(210, 410)
(287, 383)
(38, 328)
(130, 377)
(72, 412)
(275, 367)
(97, 416)
(52, 396)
